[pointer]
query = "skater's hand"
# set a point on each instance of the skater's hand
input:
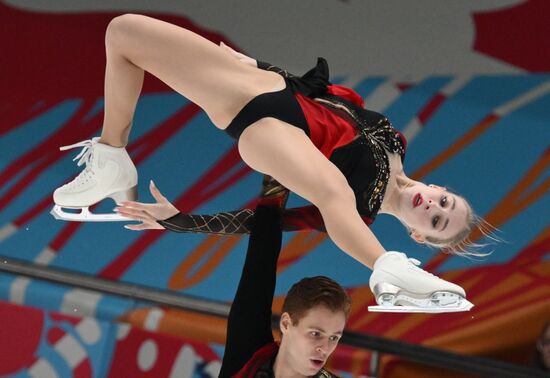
(147, 213)
(239, 56)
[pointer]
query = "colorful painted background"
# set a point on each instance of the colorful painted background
(468, 83)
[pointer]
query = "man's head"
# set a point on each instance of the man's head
(543, 348)
(314, 315)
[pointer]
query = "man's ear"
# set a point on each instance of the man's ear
(285, 322)
(417, 237)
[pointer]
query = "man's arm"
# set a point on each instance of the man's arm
(249, 322)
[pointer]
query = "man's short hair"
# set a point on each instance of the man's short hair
(310, 292)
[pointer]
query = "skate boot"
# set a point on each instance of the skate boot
(109, 172)
(399, 285)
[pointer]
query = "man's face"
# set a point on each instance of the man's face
(313, 339)
(544, 346)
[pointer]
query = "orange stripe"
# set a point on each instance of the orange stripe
(214, 249)
(300, 244)
(500, 289)
(513, 203)
(187, 324)
(517, 324)
(456, 147)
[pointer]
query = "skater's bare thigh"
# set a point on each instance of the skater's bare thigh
(286, 153)
(190, 64)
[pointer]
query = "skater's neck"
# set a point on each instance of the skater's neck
(395, 188)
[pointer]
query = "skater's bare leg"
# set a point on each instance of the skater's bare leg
(190, 64)
(297, 164)
(123, 82)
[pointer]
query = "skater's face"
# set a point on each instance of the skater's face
(308, 344)
(432, 211)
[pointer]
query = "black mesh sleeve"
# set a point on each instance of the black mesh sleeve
(227, 223)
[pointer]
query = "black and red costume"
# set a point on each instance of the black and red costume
(354, 139)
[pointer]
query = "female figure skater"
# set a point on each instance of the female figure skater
(286, 127)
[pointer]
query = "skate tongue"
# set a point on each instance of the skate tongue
(388, 255)
(414, 261)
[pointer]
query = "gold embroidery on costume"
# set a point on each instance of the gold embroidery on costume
(380, 137)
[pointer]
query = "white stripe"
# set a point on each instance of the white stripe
(153, 318)
(122, 331)
(213, 368)
(42, 369)
(71, 350)
(185, 364)
(80, 302)
(45, 256)
(384, 95)
(352, 80)
(18, 290)
(412, 129)
(523, 100)
(455, 85)
(6, 231)
(88, 329)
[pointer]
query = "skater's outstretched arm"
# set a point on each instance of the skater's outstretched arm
(234, 222)
(163, 215)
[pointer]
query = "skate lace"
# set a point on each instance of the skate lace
(414, 264)
(86, 156)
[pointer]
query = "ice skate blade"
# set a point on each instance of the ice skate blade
(464, 305)
(86, 216)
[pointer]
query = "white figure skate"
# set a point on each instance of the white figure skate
(109, 173)
(399, 285)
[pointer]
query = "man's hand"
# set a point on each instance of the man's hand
(239, 56)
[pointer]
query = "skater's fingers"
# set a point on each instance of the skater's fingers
(132, 213)
(126, 211)
(133, 227)
(145, 225)
(227, 48)
(131, 205)
(239, 56)
(155, 192)
(136, 227)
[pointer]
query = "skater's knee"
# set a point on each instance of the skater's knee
(121, 27)
(334, 190)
